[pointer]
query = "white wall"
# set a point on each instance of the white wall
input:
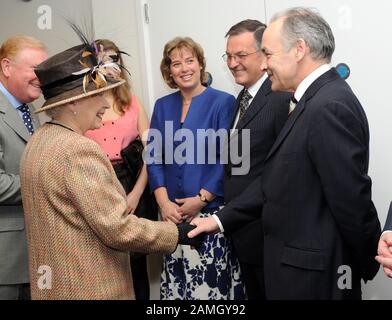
(19, 17)
(116, 20)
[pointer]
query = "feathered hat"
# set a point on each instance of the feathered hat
(76, 73)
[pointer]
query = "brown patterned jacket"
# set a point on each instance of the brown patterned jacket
(77, 229)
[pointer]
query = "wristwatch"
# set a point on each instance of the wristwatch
(203, 198)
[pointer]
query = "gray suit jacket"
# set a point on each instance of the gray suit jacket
(13, 246)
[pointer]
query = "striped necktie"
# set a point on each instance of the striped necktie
(244, 102)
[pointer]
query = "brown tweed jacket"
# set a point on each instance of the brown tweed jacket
(76, 221)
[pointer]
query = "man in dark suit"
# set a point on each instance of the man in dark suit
(18, 87)
(263, 113)
(384, 252)
(320, 226)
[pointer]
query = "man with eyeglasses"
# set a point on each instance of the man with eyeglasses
(19, 86)
(263, 113)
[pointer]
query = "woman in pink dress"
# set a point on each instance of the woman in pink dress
(124, 122)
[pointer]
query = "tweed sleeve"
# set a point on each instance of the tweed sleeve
(98, 197)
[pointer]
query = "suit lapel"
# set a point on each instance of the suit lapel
(287, 127)
(330, 75)
(34, 118)
(257, 104)
(12, 118)
(237, 105)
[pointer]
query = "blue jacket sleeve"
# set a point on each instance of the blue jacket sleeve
(213, 181)
(155, 151)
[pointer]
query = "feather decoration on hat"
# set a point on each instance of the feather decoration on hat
(104, 68)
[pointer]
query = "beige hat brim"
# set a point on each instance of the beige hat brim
(75, 94)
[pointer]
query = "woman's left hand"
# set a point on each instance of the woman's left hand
(189, 207)
(132, 201)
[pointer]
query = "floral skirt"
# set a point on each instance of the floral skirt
(212, 272)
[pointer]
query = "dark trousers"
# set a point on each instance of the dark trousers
(253, 277)
(141, 284)
(15, 292)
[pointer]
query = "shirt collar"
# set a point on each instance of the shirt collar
(255, 88)
(305, 83)
(11, 99)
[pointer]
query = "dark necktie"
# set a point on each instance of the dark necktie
(26, 118)
(244, 103)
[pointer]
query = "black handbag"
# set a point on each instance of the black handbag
(133, 160)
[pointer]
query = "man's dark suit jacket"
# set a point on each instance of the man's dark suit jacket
(388, 223)
(265, 117)
(318, 216)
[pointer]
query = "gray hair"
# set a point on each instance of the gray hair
(306, 24)
(54, 112)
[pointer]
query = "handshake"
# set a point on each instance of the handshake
(183, 229)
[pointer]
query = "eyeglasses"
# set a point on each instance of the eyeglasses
(237, 56)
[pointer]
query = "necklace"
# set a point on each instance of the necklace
(61, 125)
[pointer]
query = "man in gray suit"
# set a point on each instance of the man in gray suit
(18, 87)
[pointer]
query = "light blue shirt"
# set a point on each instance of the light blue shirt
(11, 99)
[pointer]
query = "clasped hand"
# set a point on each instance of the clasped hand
(183, 210)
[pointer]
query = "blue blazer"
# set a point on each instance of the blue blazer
(181, 157)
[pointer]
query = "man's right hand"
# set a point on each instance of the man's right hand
(203, 225)
(384, 256)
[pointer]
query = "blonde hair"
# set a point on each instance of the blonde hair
(121, 94)
(180, 43)
(14, 45)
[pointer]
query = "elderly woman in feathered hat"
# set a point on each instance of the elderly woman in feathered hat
(78, 228)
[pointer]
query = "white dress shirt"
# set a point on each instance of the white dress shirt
(311, 77)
